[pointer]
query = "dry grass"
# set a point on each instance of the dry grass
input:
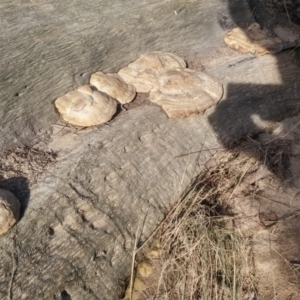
(202, 255)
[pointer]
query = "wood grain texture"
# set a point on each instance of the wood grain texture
(78, 231)
(48, 48)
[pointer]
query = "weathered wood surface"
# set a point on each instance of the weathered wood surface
(259, 91)
(48, 48)
(78, 231)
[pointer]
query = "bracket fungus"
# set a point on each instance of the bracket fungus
(253, 40)
(185, 92)
(85, 107)
(9, 210)
(143, 72)
(114, 86)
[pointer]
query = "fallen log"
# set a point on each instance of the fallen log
(78, 231)
(49, 48)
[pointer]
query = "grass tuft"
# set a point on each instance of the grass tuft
(201, 253)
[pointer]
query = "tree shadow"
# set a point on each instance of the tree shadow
(250, 109)
(247, 120)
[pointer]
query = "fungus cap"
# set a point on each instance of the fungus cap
(143, 73)
(158, 60)
(114, 86)
(9, 210)
(186, 92)
(85, 107)
(253, 40)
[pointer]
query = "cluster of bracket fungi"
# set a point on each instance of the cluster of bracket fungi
(178, 90)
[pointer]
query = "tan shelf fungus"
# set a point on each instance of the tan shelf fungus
(143, 73)
(114, 86)
(253, 40)
(9, 211)
(186, 92)
(86, 107)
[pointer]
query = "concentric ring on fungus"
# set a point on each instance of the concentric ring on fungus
(143, 73)
(186, 92)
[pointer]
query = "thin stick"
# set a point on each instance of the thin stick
(198, 152)
(251, 15)
(134, 252)
(63, 127)
(275, 201)
(287, 13)
(13, 272)
(234, 279)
